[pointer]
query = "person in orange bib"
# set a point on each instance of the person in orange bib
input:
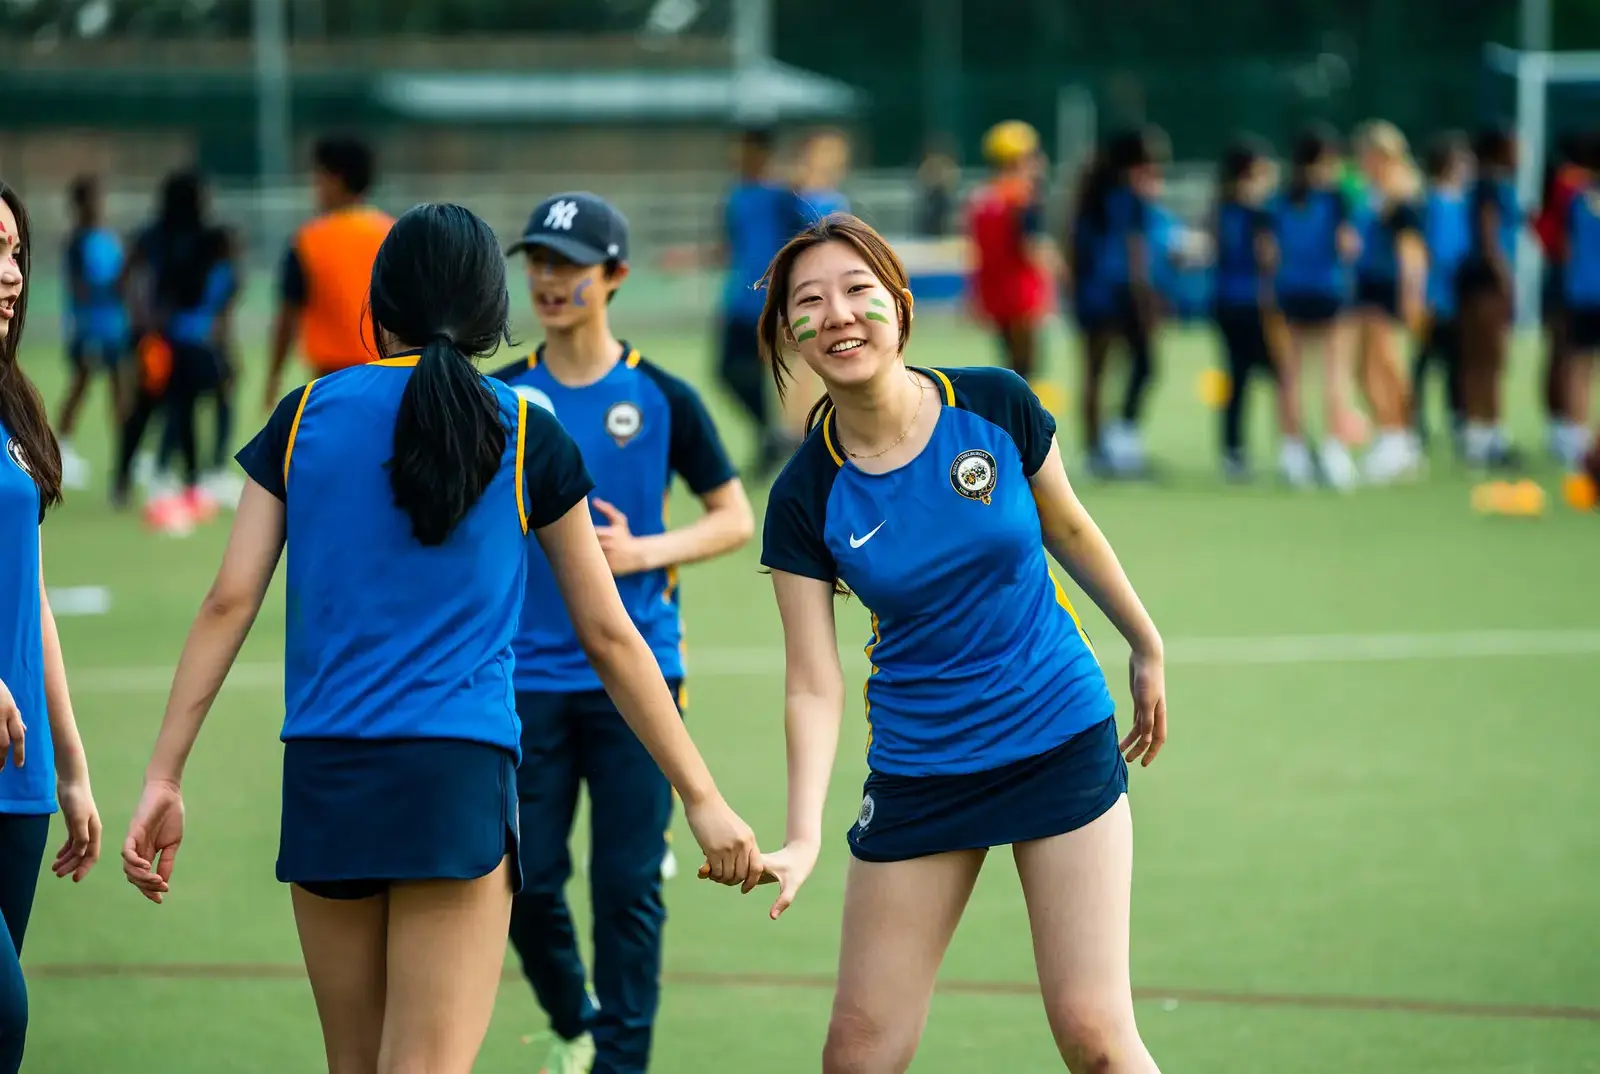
(322, 282)
(1013, 259)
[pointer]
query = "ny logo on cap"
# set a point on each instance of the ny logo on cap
(561, 215)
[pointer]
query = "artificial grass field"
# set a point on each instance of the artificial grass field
(1370, 844)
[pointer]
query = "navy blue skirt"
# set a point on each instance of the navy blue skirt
(1057, 791)
(360, 814)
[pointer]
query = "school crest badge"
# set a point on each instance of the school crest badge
(623, 421)
(973, 474)
(14, 449)
(864, 818)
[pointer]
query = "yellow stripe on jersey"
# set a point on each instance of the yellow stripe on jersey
(522, 441)
(294, 431)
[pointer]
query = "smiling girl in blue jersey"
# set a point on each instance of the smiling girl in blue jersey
(42, 766)
(637, 426)
(405, 490)
(931, 495)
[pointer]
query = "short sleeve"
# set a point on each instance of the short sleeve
(694, 451)
(1003, 398)
(1405, 218)
(792, 533)
(292, 278)
(263, 457)
(553, 472)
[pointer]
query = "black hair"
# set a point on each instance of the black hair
(346, 158)
(22, 408)
(439, 286)
(757, 138)
(1106, 167)
(1238, 160)
(1444, 149)
(1493, 148)
(1314, 142)
(82, 192)
(189, 245)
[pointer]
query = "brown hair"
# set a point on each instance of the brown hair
(21, 407)
(874, 250)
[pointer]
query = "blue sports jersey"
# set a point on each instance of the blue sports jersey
(1502, 195)
(636, 427)
(1307, 232)
(1446, 233)
(1581, 280)
(386, 638)
(757, 219)
(31, 788)
(1102, 247)
(1238, 271)
(978, 659)
(94, 309)
(1381, 228)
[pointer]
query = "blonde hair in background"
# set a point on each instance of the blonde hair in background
(1404, 179)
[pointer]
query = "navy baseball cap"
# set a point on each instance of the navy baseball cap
(584, 228)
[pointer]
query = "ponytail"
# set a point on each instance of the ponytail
(448, 441)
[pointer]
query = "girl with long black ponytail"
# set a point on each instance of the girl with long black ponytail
(405, 491)
(42, 765)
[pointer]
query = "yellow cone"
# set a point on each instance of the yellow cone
(1051, 395)
(1214, 387)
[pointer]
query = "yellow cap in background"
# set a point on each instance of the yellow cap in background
(1009, 142)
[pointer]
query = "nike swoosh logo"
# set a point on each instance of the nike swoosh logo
(857, 543)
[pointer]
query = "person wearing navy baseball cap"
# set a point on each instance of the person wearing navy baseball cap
(636, 426)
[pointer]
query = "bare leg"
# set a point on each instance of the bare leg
(898, 920)
(343, 942)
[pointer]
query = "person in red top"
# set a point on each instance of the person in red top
(1562, 183)
(1013, 260)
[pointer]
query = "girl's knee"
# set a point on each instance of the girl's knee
(1094, 1037)
(860, 1044)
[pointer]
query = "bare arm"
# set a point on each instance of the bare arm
(1072, 537)
(73, 793)
(813, 698)
(226, 614)
(726, 524)
(71, 764)
(1413, 257)
(631, 676)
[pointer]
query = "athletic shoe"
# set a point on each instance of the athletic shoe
(574, 1056)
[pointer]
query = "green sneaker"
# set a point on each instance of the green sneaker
(575, 1056)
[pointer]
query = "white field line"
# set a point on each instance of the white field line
(1203, 652)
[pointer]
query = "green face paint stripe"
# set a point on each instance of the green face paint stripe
(803, 336)
(871, 316)
(801, 321)
(880, 303)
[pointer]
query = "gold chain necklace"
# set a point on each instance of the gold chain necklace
(921, 392)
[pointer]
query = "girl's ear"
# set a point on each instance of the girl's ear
(910, 302)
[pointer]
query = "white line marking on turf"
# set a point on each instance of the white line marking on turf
(1202, 652)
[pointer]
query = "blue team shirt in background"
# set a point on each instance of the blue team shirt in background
(1237, 273)
(386, 638)
(31, 788)
(757, 219)
(1101, 247)
(1381, 227)
(635, 427)
(812, 205)
(1448, 237)
(1502, 195)
(1307, 231)
(978, 659)
(1581, 280)
(94, 309)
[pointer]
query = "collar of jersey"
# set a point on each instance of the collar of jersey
(830, 439)
(402, 358)
(630, 356)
